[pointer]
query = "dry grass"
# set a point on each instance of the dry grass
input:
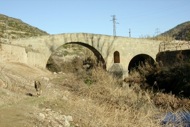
(105, 103)
(101, 103)
(146, 75)
(170, 102)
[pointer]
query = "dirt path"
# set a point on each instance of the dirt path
(19, 105)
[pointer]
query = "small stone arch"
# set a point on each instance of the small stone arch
(116, 56)
(140, 59)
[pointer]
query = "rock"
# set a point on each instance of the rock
(67, 120)
(60, 72)
(48, 109)
(77, 125)
(42, 116)
(67, 124)
(2, 84)
(65, 98)
(45, 79)
(70, 118)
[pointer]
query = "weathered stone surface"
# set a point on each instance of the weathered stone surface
(37, 50)
(50, 117)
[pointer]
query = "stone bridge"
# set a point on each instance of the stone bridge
(109, 50)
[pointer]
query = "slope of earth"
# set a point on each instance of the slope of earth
(19, 103)
(70, 100)
(180, 32)
(12, 28)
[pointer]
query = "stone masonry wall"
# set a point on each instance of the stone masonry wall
(13, 53)
(39, 49)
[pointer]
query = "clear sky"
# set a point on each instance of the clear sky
(143, 17)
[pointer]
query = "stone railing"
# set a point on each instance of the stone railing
(174, 45)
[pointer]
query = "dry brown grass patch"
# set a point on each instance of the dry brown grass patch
(105, 103)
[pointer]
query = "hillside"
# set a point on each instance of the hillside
(12, 28)
(180, 32)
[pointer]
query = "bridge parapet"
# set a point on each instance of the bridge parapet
(174, 45)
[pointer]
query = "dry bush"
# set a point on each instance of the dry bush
(164, 38)
(163, 78)
(143, 75)
(169, 85)
(71, 58)
(105, 103)
(73, 65)
(170, 102)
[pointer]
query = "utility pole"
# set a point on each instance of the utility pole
(157, 31)
(129, 32)
(114, 24)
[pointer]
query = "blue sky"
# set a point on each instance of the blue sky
(143, 17)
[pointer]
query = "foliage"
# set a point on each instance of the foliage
(168, 79)
(169, 86)
(89, 81)
(175, 79)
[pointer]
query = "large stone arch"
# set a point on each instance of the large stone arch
(100, 60)
(139, 59)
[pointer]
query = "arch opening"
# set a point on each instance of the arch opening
(116, 56)
(139, 60)
(78, 52)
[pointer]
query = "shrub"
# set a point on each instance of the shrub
(168, 79)
(175, 79)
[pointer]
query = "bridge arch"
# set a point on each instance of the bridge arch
(139, 59)
(100, 60)
(36, 51)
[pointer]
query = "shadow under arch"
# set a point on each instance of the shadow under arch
(100, 60)
(140, 59)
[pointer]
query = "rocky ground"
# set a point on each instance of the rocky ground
(19, 105)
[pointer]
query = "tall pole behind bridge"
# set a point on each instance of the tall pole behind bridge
(114, 24)
(129, 32)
